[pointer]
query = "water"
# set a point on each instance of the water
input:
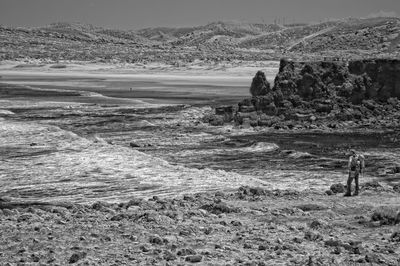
(55, 148)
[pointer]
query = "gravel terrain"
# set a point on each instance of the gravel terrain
(249, 226)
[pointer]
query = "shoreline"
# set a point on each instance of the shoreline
(203, 71)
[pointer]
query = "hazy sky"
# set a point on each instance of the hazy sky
(135, 14)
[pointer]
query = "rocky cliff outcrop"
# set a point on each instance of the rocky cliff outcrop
(355, 81)
(323, 93)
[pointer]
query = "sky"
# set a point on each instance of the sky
(137, 14)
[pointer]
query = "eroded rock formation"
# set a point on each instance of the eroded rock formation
(260, 85)
(355, 81)
(306, 93)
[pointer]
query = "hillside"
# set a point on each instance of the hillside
(212, 42)
(281, 39)
(378, 35)
(210, 32)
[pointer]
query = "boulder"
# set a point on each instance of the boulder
(313, 236)
(226, 112)
(134, 145)
(396, 188)
(156, 240)
(185, 252)
(77, 257)
(338, 188)
(372, 185)
(244, 118)
(315, 224)
(395, 237)
(194, 258)
(215, 120)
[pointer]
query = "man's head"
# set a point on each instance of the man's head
(352, 152)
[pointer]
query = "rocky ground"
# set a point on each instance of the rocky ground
(249, 226)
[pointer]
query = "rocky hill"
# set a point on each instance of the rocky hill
(351, 38)
(65, 41)
(229, 33)
(285, 37)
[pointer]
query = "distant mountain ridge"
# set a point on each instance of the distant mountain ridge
(216, 40)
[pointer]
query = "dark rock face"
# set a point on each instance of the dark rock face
(342, 91)
(356, 80)
(260, 85)
(381, 77)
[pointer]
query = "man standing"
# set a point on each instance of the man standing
(356, 167)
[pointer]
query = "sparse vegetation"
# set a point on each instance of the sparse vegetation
(213, 42)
